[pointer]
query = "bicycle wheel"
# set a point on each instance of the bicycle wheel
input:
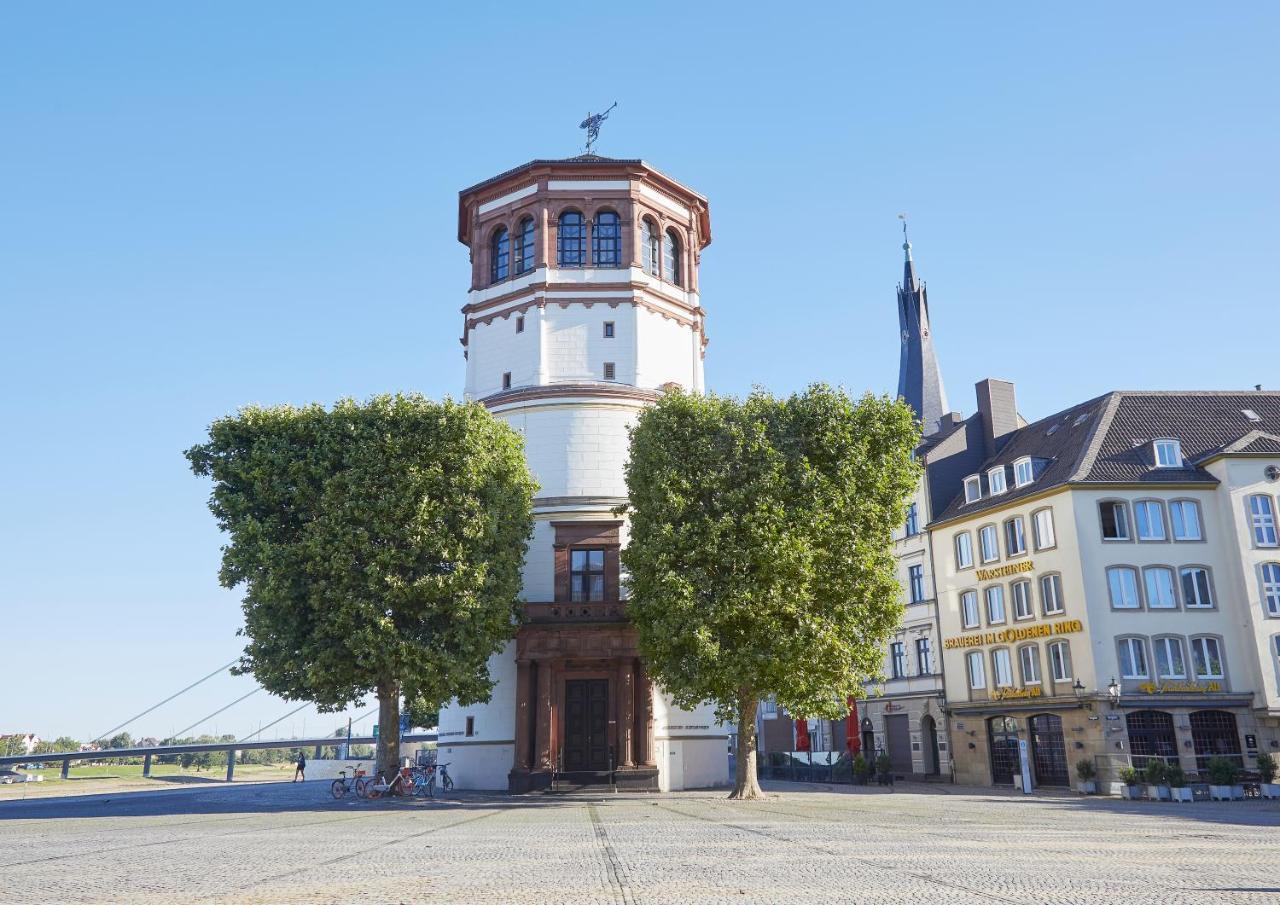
(446, 781)
(431, 787)
(362, 787)
(339, 788)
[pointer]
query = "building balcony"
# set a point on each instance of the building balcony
(575, 613)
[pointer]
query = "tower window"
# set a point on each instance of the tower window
(520, 323)
(524, 246)
(606, 240)
(506, 380)
(570, 240)
(610, 372)
(586, 575)
(671, 258)
(608, 329)
(649, 246)
(500, 262)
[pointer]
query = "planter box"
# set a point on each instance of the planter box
(1132, 793)
(1087, 787)
(1269, 789)
(1226, 793)
(1158, 793)
(1182, 794)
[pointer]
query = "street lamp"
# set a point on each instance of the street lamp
(1113, 693)
(1078, 688)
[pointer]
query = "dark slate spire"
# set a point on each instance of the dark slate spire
(919, 380)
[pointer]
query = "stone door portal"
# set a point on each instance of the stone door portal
(586, 725)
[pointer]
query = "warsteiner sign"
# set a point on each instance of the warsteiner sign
(1180, 687)
(1013, 568)
(1005, 694)
(1016, 633)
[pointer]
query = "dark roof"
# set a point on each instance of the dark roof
(580, 160)
(1108, 440)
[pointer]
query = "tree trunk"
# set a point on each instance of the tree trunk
(388, 751)
(746, 786)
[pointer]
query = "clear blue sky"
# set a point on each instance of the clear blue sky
(207, 205)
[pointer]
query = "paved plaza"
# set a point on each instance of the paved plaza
(292, 843)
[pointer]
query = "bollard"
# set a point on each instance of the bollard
(146, 766)
(231, 764)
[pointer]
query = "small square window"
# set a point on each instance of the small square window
(471, 726)
(520, 323)
(506, 380)
(608, 329)
(1168, 454)
(610, 372)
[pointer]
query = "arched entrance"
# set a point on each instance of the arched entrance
(1151, 735)
(1002, 733)
(1049, 750)
(929, 734)
(1214, 734)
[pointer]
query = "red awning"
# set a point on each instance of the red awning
(852, 730)
(802, 735)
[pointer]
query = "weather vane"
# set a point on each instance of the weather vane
(592, 125)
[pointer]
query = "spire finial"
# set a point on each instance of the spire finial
(906, 243)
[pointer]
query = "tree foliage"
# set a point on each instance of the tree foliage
(378, 544)
(760, 547)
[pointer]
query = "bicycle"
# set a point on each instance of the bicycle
(441, 771)
(399, 785)
(358, 782)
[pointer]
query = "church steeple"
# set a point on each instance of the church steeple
(919, 379)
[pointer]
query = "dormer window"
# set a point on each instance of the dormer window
(995, 481)
(1023, 472)
(1168, 454)
(972, 489)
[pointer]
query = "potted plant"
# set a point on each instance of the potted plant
(1088, 774)
(1131, 784)
(1177, 778)
(1156, 774)
(1224, 777)
(861, 769)
(1268, 788)
(884, 766)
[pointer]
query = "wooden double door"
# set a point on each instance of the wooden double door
(586, 725)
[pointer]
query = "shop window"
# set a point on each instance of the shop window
(1151, 735)
(1214, 734)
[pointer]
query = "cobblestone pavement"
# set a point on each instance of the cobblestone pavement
(294, 844)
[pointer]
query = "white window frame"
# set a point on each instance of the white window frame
(1053, 580)
(1131, 645)
(1262, 525)
(1015, 529)
(1021, 612)
(972, 489)
(1183, 506)
(1194, 601)
(1059, 660)
(982, 544)
(1269, 581)
(967, 546)
(1136, 585)
(996, 487)
(1201, 643)
(995, 592)
(1122, 522)
(1029, 656)
(1168, 452)
(1001, 661)
(1166, 644)
(1146, 507)
(967, 597)
(1172, 588)
(975, 667)
(1024, 472)
(1042, 529)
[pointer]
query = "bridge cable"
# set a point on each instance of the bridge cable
(217, 671)
(173, 738)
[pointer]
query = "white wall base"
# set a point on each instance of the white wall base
(482, 767)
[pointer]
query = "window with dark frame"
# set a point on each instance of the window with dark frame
(606, 240)
(649, 246)
(915, 583)
(1115, 520)
(610, 371)
(501, 256)
(520, 323)
(506, 380)
(671, 258)
(586, 575)
(912, 526)
(608, 329)
(570, 240)
(898, 659)
(924, 657)
(471, 726)
(524, 246)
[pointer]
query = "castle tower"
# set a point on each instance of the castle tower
(583, 306)
(919, 379)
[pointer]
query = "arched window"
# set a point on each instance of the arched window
(500, 255)
(524, 246)
(570, 240)
(649, 246)
(671, 257)
(606, 240)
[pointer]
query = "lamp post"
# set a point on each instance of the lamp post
(1113, 693)
(1078, 689)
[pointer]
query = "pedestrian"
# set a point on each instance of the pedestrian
(301, 772)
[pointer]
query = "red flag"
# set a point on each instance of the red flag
(802, 735)
(852, 730)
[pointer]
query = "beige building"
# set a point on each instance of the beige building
(1108, 582)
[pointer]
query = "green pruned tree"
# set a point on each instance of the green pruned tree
(760, 552)
(379, 546)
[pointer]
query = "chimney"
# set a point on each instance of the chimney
(999, 411)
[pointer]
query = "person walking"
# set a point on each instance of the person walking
(301, 772)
